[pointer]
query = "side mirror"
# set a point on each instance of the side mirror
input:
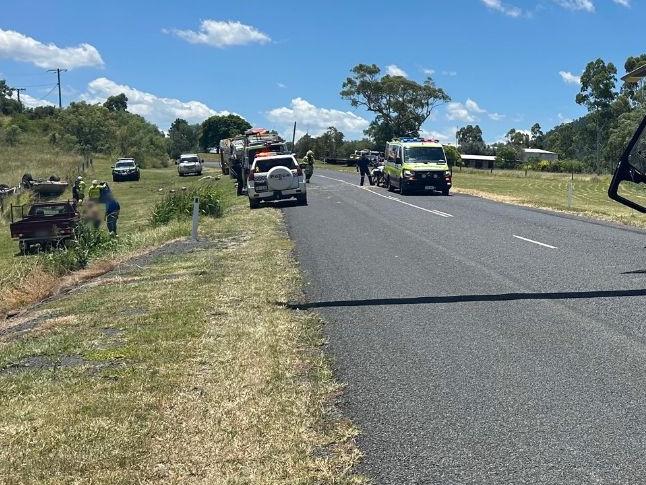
(112, 166)
(630, 172)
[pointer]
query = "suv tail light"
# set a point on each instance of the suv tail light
(299, 170)
(250, 177)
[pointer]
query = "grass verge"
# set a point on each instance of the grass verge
(184, 367)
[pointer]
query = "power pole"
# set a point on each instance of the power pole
(18, 91)
(58, 77)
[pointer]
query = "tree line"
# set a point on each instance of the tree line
(109, 129)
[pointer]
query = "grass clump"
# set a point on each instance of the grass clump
(179, 204)
(88, 243)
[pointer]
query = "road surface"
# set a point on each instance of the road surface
(481, 343)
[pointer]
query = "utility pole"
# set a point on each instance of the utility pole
(58, 77)
(18, 91)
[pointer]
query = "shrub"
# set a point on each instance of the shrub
(179, 204)
(12, 135)
(87, 244)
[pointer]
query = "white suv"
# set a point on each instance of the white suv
(276, 177)
(188, 164)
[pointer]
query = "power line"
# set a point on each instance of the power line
(58, 77)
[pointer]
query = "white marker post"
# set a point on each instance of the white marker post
(570, 194)
(196, 217)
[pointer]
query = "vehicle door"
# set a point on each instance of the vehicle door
(628, 186)
(399, 163)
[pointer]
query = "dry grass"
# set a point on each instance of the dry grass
(37, 157)
(185, 370)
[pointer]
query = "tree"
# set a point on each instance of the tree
(537, 137)
(598, 85)
(401, 105)
(452, 155)
(508, 156)
(218, 128)
(116, 103)
(89, 125)
(182, 138)
(12, 135)
(328, 144)
(630, 89)
(8, 105)
(621, 133)
(470, 140)
(304, 144)
(518, 139)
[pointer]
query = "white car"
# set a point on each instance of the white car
(189, 164)
(276, 177)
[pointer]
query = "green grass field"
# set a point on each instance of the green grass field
(136, 199)
(550, 191)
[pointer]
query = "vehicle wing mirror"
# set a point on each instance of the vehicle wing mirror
(112, 166)
(630, 172)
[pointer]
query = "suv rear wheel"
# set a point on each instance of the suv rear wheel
(254, 204)
(302, 199)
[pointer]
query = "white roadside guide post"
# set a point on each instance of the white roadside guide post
(570, 193)
(196, 217)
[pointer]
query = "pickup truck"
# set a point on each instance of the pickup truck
(44, 224)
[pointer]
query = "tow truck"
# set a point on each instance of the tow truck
(630, 173)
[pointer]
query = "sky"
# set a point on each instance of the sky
(505, 63)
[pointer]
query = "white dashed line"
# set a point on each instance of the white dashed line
(390, 197)
(534, 242)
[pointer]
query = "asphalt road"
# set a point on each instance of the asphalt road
(481, 343)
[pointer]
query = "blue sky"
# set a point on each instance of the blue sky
(506, 64)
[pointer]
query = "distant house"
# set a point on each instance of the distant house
(484, 162)
(536, 154)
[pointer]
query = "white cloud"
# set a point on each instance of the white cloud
(222, 33)
(504, 8)
(449, 73)
(583, 5)
(394, 70)
(458, 112)
(469, 111)
(316, 120)
(161, 111)
(471, 105)
(19, 47)
(31, 102)
(428, 72)
(569, 78)
(281, 85)
(623, 3)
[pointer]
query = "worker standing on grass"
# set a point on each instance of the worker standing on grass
(112, 209)
(363, 167)
(309, 165)
(78, 190)
(94, 192)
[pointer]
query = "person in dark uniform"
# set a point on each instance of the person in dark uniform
(363, 167)
(236, 170)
